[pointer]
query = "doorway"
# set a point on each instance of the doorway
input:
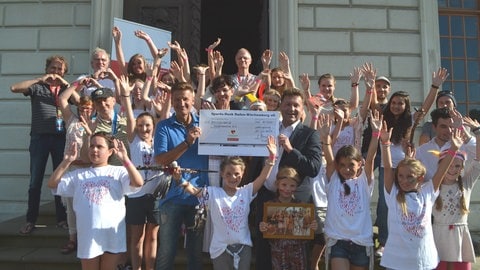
(196, 24)
(240, 24)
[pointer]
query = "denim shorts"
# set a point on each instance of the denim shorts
(356, 254)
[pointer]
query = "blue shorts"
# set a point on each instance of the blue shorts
(356, 254)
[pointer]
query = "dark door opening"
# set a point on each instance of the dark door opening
(196, 24)
(240, 24)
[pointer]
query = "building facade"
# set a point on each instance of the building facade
(405, 40)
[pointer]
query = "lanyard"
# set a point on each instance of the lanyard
(114, 123)
(55, 91)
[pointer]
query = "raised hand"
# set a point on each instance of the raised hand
(356, 75)
(472, 123)
(71, 154)
(284, 62)
(271, 145)
(120, 150)
(324, 125)
(376, 120)
(125, 87)
(385, 133)
(456, 138)
(305, 81)
(457, 118)
(142, 35)
(174, 46)
(439, 77)
(218, 60)
(162, 52)
(212, 46)
(116, 34)
(201, 69)
(369, 75)
(266, 58)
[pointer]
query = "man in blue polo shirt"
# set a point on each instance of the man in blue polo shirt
(176, 140)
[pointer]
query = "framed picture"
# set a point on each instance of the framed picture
(288, 220)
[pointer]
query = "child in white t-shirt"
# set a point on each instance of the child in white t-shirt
(410, 243)
(98, 198)
(229, 207)
(348, 224)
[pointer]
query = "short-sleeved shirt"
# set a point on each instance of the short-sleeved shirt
(410, 243)
(168, 134)
(348, 216)
(98, 200)
(44, 108)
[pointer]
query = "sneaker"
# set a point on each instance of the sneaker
(379, 252)
(27, 228)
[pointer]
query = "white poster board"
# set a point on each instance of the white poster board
(236, 133)
(132, 44)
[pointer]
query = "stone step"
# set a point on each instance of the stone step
(41, 249)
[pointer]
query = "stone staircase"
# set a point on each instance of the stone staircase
(41, 249)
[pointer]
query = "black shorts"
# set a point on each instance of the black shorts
(142, 210)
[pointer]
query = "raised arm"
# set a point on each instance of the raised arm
(369, 74)
(388, 178)
(437, 80)
(285, 66)
(355, 79)
(305, 82)
(266, 59)
(218, 62)
(475, 129)
(63, 100)
(117, 38)
(151, 45)
(339, 116)
(201, 73)
(210, 54)
(267, 168)
(455, 143)
(376, 120)
(324, 124)
(68, 158)
(53, 79)
(136, 179)
(126, 101)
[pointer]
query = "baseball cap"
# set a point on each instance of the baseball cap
(102, 93)
(383, 78)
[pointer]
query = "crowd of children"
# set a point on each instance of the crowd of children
(116, 206)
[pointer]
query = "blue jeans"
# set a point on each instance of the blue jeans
(41, 146)
(382, 210)
(171, 218)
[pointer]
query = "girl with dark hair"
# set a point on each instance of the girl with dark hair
(348, 224)
(98, 198)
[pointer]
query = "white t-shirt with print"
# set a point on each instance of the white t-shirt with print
(229, 217)
(410, 243)
(348, 216)
(98, 201)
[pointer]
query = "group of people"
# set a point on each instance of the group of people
(104, 131)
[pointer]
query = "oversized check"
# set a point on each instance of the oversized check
(236, 133)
